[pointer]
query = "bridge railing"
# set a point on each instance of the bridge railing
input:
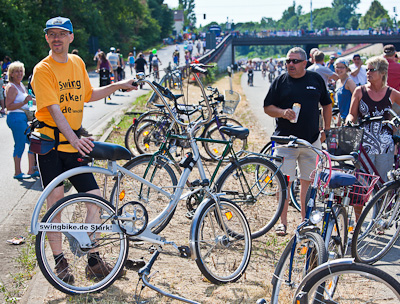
(214, 54)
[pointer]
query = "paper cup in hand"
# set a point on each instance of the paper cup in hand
(296, 108)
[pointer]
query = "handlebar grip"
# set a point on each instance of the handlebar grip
(134, 83)
(219, 97)
(197, 69)
(283, 139)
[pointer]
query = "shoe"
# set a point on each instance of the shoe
(63, 272)
(18, 240)
(281, 230)
(35, 174)
(22, 176)
(100, 271)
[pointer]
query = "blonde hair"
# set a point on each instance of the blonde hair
(16, 65)
(381, 64)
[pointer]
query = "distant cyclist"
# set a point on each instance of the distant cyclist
(264, 69)
(250, 73)
(156, 62)
(271, 69)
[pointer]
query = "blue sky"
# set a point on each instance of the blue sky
(254, 10)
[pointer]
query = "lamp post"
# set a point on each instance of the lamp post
(311, 27)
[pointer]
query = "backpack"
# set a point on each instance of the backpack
(154, 60)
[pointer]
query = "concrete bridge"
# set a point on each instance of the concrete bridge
(224, 53)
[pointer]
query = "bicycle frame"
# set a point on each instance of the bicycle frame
(307, 223)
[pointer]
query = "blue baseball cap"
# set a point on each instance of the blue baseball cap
(60, 23)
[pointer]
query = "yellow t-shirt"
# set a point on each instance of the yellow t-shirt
(66, 84)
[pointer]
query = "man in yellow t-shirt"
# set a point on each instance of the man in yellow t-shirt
(61, 85)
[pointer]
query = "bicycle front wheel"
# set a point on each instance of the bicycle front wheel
(257, 186)
(294, 191)
(215, 150)
(308, 252)
(378, 227)
(222, 242)
(354, 284)
(336, 236)
(72, 219)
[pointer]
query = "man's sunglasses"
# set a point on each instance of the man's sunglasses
(294, 61)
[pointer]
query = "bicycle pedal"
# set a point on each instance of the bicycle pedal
(190, 214)
(152, 249)
(184, 251)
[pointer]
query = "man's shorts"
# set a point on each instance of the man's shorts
(304, 158)
(54, 163)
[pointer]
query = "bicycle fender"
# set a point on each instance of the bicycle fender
(196, 218)
(53, 184)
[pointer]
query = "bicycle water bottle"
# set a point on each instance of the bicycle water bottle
(30, 105)
(333, 142)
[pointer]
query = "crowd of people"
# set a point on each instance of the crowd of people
(361, 90)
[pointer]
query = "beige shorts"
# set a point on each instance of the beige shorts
(303, 158)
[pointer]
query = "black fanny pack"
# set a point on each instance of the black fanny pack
(42, 144)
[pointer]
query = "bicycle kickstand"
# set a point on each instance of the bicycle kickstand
(144, 273)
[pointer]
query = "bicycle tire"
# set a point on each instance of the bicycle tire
(213, 248)
(309, 252)
(150, 136)
(215, 150)
(130, 139)
(355, 283)
(380, 215)
(336, 235)
(112, 246)
(160, 174)
(294, 191)
(257, 186)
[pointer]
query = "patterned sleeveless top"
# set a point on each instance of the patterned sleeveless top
(377, 136)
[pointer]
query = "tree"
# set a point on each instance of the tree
(188, 12)
(374, 16)
(349, 5)
(163, 15)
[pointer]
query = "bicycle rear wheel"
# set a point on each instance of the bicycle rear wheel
(257, 186)
(156, 170)
(378, 226)
(354, 284)
(88, 217)
(150, 135)
(222, 244)
(308, 253)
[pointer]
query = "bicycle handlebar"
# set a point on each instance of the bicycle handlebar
(293, 141)
(162, 91)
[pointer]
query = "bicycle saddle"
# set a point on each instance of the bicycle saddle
(108, 151)
(238, 132)
(160, 106)
(339, 179)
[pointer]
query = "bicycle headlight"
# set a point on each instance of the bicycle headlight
(316, 217)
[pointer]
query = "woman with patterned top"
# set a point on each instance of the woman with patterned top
(374, 99)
